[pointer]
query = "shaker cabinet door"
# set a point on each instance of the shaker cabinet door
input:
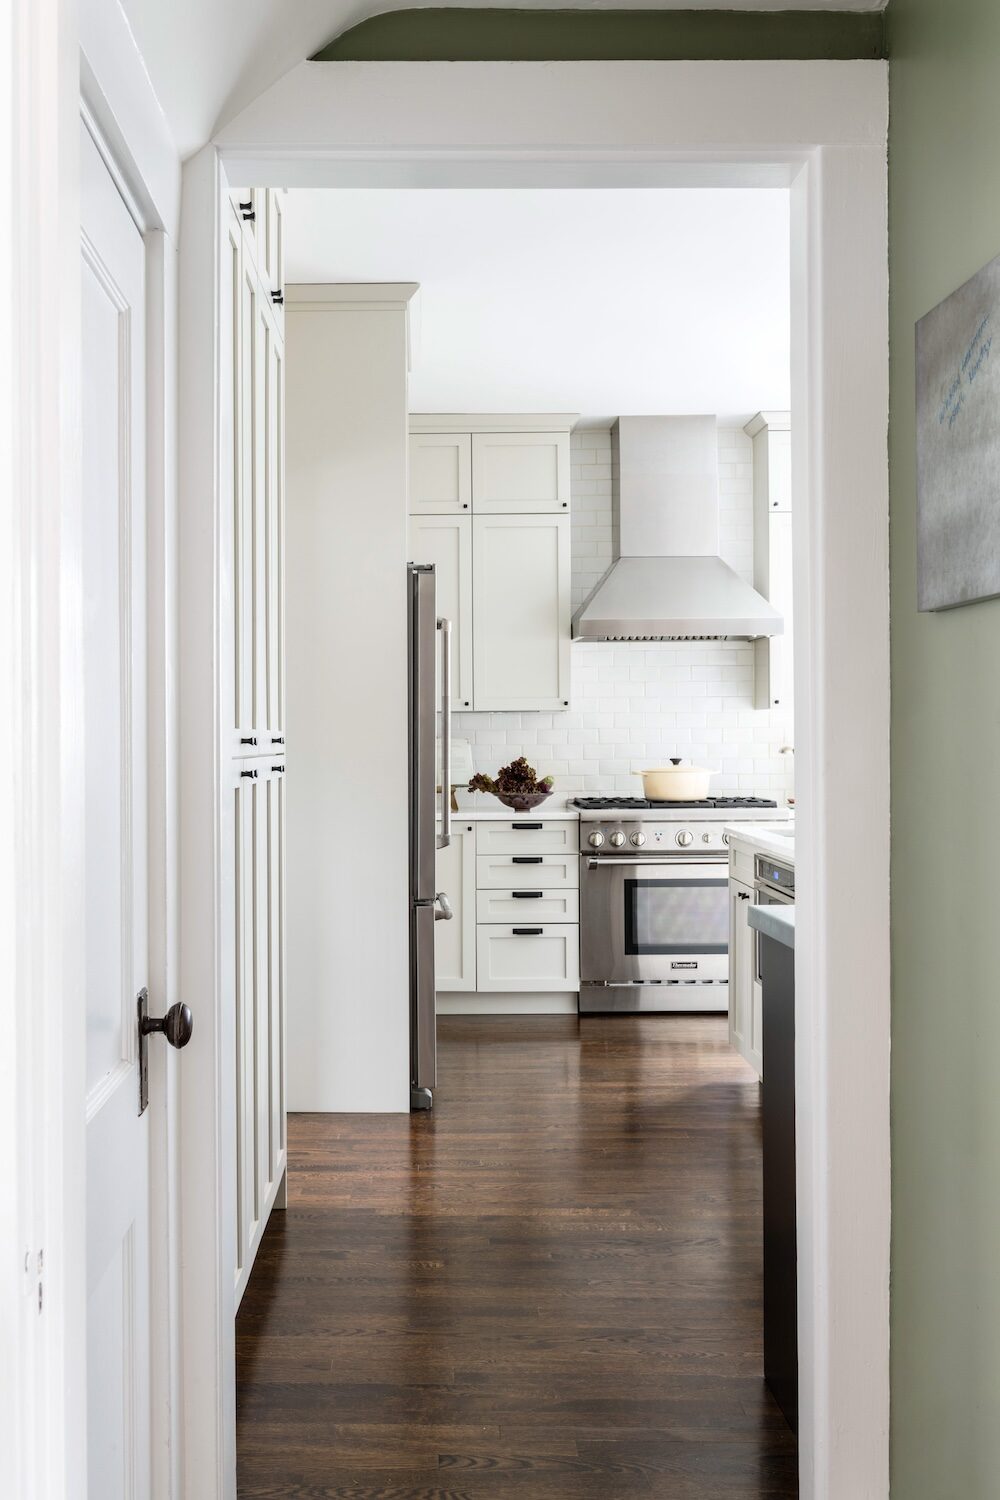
(521, 612)
(440, 473)
(455, 941)
(520, 471)
(446, 541)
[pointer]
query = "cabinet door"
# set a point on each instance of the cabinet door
(455, 941)
(535, 956)
(773, 670)
(249, 1206)
(259, 1004)
(244, 537)
(274, 538)
(263, 359)
(520, 612)
(273, 270)
(740, 967)
(272, 1005)
(446, 541)
(440, 473)
(520, 471)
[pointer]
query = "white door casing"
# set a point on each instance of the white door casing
(820, 128)
(115, 837)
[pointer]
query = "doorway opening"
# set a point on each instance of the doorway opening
(585, 1198)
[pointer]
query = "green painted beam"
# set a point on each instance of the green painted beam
(454, 35)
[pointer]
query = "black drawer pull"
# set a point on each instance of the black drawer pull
(527, 895)
(526, 859)
(527, 931)
(249, 775)
(520, 826)
(248, 739)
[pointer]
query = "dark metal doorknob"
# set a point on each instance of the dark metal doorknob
(176, 1025)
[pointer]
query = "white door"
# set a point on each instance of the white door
(113, 556)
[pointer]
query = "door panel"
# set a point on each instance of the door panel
(446, 541)
(440, 473)
(113, 567)
(274, 539)
(455, 941)
(520, 471)
(521, 614)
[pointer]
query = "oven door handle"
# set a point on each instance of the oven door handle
(666, 863)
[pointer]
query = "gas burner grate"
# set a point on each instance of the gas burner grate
(611, 804)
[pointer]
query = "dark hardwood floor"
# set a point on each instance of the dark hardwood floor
(551, 1287)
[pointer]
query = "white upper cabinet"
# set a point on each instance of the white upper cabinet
(521, 611)
(772, 553)
(446, 541)
(489, 507)
(520, 472)
(440, 473)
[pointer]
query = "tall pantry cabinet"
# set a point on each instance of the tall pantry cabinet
(254, 713)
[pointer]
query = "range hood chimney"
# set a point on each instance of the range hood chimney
(668, 582)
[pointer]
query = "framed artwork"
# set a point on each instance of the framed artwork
(958, 445)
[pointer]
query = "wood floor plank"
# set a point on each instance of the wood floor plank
(548, 1287)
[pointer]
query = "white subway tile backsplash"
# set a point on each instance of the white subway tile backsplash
(637, 705)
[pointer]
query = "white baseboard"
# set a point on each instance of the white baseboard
(531, 1003)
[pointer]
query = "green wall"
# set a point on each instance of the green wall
(944, 223)
(457, 35)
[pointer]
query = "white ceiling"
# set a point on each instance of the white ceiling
(598, 301)
(207, 59)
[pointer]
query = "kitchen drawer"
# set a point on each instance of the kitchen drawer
(527, 956)
(519, 872)
(528, 837)
(531, 905)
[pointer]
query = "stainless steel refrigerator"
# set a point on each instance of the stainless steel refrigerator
(430, 826)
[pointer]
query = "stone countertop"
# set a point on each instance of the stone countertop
(764, 839)
(776, 922)
(481, 808)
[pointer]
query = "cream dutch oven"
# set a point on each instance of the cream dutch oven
(675, 783)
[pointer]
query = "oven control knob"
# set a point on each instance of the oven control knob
(638, 839)
(684, 838)
(617, 839)
(596, 839)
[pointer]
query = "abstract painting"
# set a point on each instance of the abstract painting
(958, 446)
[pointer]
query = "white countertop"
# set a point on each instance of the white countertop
(481, 807)
(764, 839)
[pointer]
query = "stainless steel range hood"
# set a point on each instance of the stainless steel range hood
(668, 581)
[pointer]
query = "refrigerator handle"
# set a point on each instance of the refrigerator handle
(444, 838)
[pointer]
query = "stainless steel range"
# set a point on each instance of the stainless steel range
(654, 901)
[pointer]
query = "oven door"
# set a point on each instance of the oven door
(661, 920)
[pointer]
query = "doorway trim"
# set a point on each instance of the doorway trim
(820, 129)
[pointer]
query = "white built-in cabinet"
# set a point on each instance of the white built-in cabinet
(514, 887)
(455, 941)
(746, 1016)
(446, 541)
(741, 1018)
(254, 699)
(489, 506)
(770, 434)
